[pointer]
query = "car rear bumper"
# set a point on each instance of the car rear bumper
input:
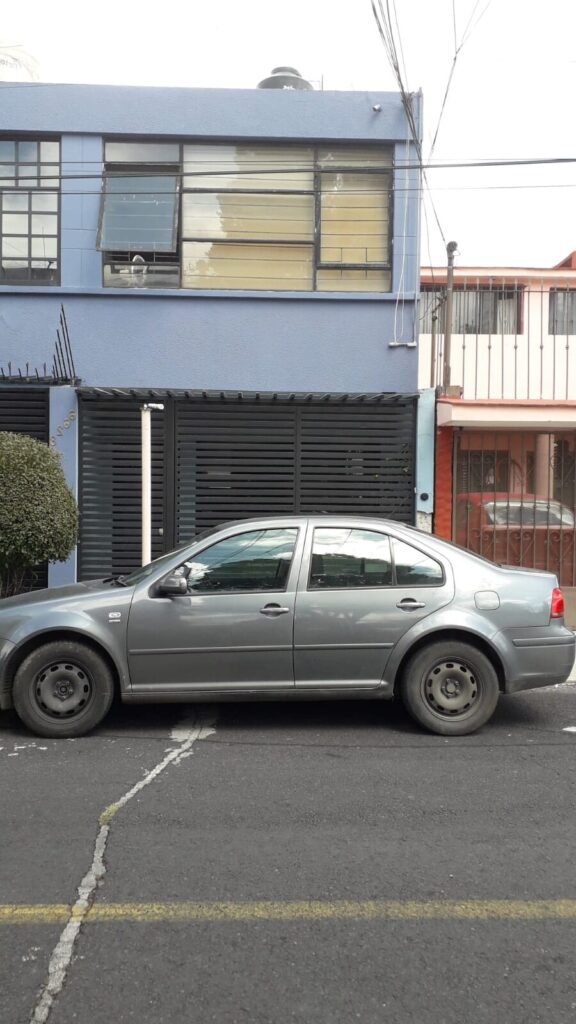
(542, 657)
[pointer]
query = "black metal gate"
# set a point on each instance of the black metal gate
(110, 488)
(515, 498)
(27, 411)
(218, 460)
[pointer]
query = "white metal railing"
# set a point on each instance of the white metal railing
(508, 342)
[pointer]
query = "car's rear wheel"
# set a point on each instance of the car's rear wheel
(450, 688)
(63, 689)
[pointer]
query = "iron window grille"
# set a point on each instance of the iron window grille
(475, 310)
(29, 211)
(562, 311)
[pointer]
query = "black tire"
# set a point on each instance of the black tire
(63, 689)
(450, 688)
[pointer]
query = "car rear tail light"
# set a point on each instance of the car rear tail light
(557, 610)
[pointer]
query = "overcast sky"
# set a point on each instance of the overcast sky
(512, 95)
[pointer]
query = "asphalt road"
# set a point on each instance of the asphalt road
(312, 863)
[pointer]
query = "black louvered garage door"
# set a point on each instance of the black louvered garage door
(248, 460)
(27, 411)
(219, 461)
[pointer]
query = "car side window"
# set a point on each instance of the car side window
(255, 561)
(349, 558)
(414, 568)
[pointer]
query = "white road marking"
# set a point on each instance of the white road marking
(189, 730)
(569, 728)
(17, 747)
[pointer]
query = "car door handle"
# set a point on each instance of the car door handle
(409, 604)
(273, 610)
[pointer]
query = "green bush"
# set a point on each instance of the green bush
(38, 512)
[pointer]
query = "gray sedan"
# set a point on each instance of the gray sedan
(286, 608)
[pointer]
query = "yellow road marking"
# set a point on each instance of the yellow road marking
(299, 910)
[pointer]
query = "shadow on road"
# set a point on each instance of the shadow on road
(522, 711)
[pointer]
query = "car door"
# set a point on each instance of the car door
(233, 629)
(360, 590)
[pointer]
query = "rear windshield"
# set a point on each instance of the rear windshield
(527, 513)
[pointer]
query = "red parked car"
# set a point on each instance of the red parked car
(519, 529)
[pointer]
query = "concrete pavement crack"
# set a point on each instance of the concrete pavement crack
(186, 734)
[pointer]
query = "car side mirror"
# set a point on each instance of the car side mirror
(173, 586)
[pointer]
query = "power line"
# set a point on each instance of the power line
(469, 26)
(399, 190)
(457, 50)
(290, 170)
(386, 32)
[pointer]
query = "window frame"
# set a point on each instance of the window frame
(123, 257)
(136, 171)
(394, 585)
(52, 189)
(435, 583)
(320, 264)
(313, 243)
(553, 315)
(437, 295)
(236, 536)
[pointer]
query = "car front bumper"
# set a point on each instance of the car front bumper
(6, 648)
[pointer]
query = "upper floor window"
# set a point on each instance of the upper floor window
(138, 228)
(29, 211)
(252, 217)
(562, 311)
(474, 311)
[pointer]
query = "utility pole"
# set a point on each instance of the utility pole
(434, 341)
(450, 250)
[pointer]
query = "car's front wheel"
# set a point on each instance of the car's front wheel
(450, 688)
(63, 689)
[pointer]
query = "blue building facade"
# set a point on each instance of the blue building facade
(216, 251)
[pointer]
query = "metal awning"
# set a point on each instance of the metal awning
(158, 394)
(539, 415)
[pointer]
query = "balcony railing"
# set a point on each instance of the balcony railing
(508, 341)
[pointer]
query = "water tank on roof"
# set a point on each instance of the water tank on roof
(284, 78)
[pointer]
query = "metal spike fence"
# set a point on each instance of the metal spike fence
(61, 371)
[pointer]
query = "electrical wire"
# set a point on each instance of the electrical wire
(457, 50)
(469, 26)
(399, 189)
(386, 32)
(385, 168)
